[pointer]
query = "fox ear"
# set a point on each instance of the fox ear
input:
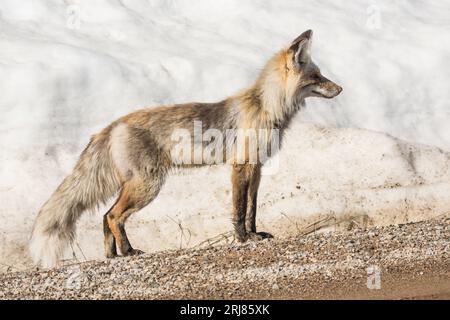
(301, 47)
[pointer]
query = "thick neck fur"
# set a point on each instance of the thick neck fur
(270, 102)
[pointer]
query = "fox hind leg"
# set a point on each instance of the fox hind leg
(110, 241)
(135, 195)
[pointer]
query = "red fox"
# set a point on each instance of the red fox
(133, 155)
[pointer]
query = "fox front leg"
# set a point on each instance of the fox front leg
(240, 183)
(252, 196)
(245, 179)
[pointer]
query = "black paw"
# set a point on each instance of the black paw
(111, 255)
(134, 252)
(257, 236)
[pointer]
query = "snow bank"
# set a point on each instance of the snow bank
(68, 69)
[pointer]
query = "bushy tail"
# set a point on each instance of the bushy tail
(93, 181)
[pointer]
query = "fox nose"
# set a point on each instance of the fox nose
(339, 89)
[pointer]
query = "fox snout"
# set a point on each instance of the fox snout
(325, 88)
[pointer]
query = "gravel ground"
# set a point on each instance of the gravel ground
(403, 261)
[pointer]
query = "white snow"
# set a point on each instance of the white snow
(69, 68)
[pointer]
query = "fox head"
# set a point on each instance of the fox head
(290, 77)
(302, 73)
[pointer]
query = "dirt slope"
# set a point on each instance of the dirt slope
(409, 261)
